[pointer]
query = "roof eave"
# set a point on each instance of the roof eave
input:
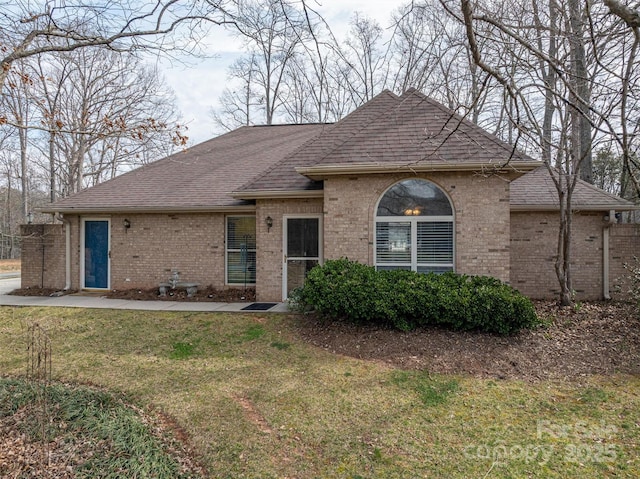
(276, 194)
(148, 209)
(320, 172)
(576, 208)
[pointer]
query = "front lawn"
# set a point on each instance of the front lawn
(257, 401)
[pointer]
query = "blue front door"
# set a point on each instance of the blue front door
(96, 254)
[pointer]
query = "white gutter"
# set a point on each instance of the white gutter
(606, 293)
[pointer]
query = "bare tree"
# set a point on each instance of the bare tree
(573, 87)
(35, 29)
(111, 107)
(272, 33)
(19, 106)
(238, 103)
(9, 196)
(363, 55)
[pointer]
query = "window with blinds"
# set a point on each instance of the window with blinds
(241, 250)
(414, 228)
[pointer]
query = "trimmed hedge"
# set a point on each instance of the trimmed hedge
(406, 299)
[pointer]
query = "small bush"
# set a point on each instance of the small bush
(406, 300)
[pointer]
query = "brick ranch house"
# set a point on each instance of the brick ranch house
(402, 182)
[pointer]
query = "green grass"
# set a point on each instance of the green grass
(259, 403)
(182, 350)
(431, 390)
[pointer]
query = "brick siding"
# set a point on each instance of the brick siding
(534, 237)
(156, 244)
(624, 245)
(42, 261)
(518, 247)
(269, 254)
(481, 209)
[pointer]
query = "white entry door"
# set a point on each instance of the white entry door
(302, 249)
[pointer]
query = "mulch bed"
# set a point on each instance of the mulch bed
(230, 295)
(589, 339)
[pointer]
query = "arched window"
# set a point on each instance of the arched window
(414, 228)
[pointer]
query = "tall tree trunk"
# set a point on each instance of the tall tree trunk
(563, 258)
(80, 162)
(24, 170)
(549, 78)
(582, 95)
(52, 166)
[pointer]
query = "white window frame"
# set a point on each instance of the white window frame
(413, 221)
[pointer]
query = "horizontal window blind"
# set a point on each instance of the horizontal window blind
(393, 242)
(435, 242)
(241, 250)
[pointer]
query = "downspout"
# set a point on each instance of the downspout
(611, 219)
(67, 252)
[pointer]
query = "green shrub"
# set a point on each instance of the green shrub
(406, 299)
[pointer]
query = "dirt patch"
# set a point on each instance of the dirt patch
(594, 338)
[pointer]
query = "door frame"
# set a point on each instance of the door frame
(82, 249)
(285, 233)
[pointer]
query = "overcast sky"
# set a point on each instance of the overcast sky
(198, 86)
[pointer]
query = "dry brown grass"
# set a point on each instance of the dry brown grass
(9, 265)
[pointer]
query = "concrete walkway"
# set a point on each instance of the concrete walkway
(10, 282)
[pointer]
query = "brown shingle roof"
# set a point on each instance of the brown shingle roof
(536, 190)
(411, 129)
(199, 178)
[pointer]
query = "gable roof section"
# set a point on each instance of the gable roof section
(535, 191)
(198, 179)
(389, 133)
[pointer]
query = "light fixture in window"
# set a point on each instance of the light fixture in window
(269, 221)
(126, 223)
(412, 212)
